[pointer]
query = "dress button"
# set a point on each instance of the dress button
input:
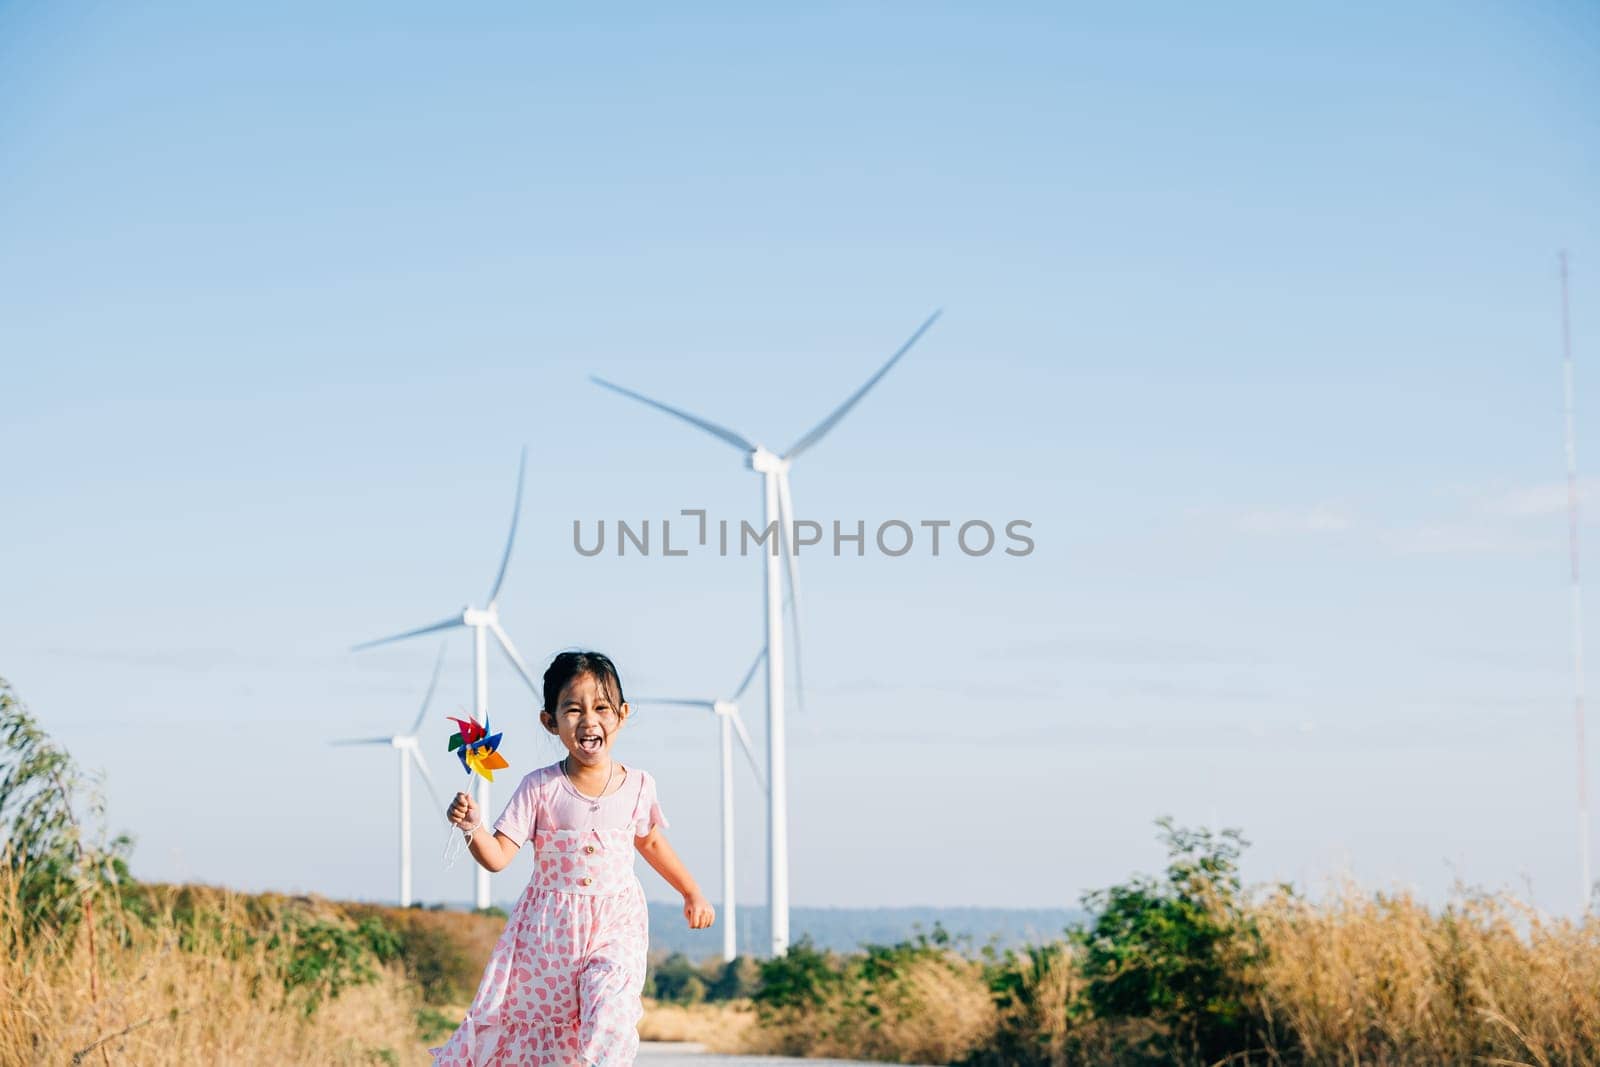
(585, 880)
(588, 848)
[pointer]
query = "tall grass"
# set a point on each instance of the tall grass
(916, 1002)
(1382, 979)
(1189, 968)
(198, 977)
(99, 969)
(721, 1025)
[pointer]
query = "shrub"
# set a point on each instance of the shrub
(674, 979)
(444, 953)
(1034, 991)
(802, 978)
(737, 979)
(61, 866)
(913, 1002)
(1176, 951)
(323, 959)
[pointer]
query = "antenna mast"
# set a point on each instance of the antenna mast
(1577, 600)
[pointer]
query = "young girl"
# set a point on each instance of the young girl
(562, 985)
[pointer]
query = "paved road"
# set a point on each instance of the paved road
(674, 1054)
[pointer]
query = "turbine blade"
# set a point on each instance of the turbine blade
(511, 539)
(516, 660)
(749, 749)
(821, 428)
(427, 778)
(447, 624)
(432, 685)
(709, 427)
(749, 675)
(672, 702)
(363, 741)
(786, 524)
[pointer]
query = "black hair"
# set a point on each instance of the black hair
(569, 665)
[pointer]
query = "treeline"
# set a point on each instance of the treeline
(675, 979)
(847, 929)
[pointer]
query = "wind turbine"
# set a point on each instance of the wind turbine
(728, 723)
(779, 511)
(484, 621)
(410, 753)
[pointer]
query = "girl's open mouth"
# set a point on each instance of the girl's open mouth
(591, 743)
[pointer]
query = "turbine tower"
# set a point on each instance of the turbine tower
(410, 755)
(729, 722)
(484, 622)
(778, 510)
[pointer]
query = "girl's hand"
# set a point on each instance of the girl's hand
(697, 909)
(463, 812)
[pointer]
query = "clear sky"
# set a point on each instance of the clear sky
(1251, 310)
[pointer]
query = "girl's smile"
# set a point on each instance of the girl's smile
(590, 739)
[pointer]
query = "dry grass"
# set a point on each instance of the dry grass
(170, 991)
(1036, 1016)
(1360, 979)
(721, 1026)
(1353, 979)
(935, 1009)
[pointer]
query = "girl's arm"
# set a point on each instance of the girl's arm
(659, 855)
(493, 851)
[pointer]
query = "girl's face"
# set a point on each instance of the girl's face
(585, 720)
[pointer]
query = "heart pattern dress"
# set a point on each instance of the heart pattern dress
(563, 982)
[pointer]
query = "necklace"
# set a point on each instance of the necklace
(594, 802)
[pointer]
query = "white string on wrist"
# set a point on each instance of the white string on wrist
(453, 848)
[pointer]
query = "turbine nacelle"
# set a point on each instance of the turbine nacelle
(725, 708)
(764, 462)
(488, 616)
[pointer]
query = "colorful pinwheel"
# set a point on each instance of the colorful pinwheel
(476, 748)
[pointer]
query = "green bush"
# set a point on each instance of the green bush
(800, 979)
(62, 863)
(433, 1025)
(1176, 951)
(433, 950)
(1032, 990)
(668, 978)
(676, 979)
(916, 1001)
(736, 979)
(322, 959)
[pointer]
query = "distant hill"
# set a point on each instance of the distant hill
(847, 929)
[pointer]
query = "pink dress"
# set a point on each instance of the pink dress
(562, 985)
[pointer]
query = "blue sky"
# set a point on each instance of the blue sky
(1251, 312)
